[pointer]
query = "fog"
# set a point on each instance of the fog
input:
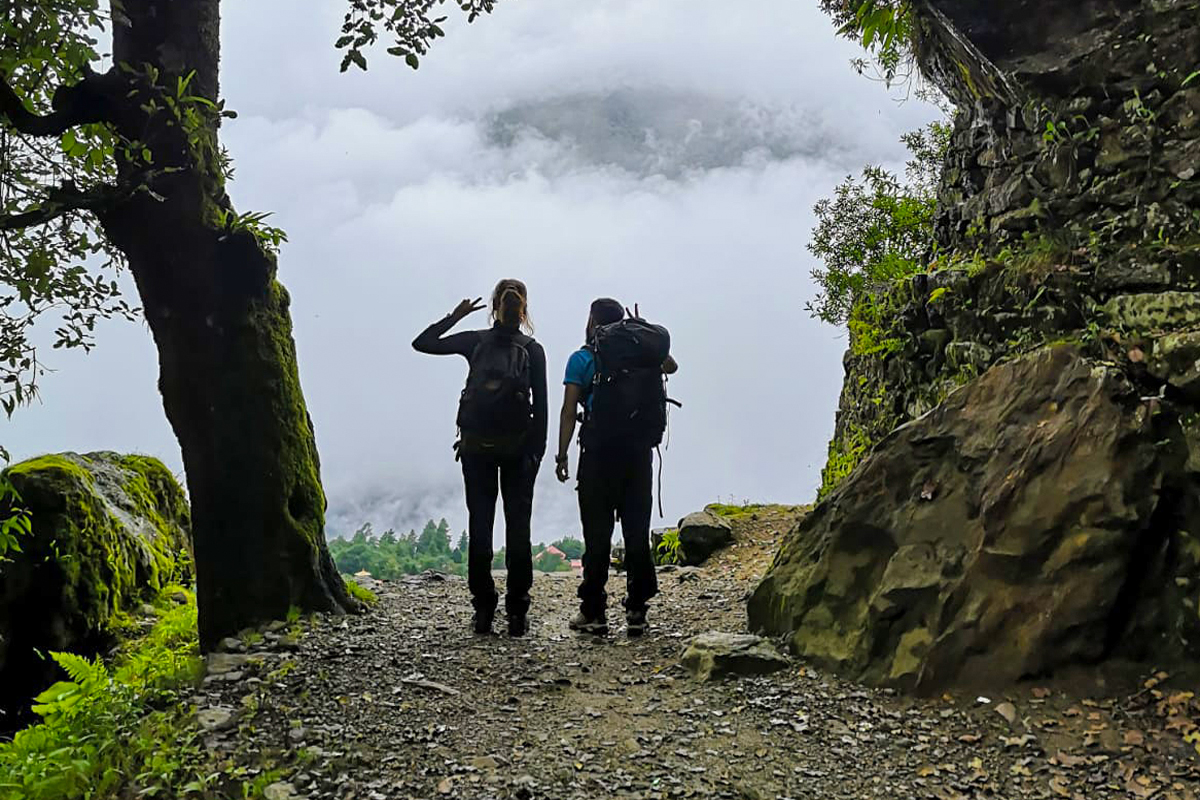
(666, 153)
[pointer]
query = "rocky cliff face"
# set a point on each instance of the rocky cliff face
(1068, 223)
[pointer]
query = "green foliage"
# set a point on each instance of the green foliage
(845, 453)
(56, 262)
(545, 561)
(410, 23)
(670, 549)
(47, 43)
(15, 519)
(870, 327)
(876, 230)
(361, 593)
(389, 556)
(572, 548)
(885, 30)
(117, 731)
(252, 222)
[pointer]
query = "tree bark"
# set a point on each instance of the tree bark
(228, 371)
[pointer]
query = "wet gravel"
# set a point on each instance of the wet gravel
(405, 702)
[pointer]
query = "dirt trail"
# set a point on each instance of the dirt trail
(405, 703)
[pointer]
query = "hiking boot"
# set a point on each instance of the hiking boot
(596, 626)
(482, 621)
(635, 622)
(518, 625)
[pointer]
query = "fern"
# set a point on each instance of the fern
(82, 671)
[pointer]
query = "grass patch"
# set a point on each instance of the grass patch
(361, 593)
(729, 511)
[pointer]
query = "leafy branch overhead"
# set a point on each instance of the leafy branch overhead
(883, 27)
(410, 23)
(72, 149)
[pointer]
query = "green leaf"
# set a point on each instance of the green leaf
(412, 60)
(1191, 77)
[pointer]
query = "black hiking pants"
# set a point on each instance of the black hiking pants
(513, 478)
(616, 484)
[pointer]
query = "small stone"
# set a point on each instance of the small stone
(483, 762)
(1008, 711)
(232, 645)
(147, 610)
(179, 598)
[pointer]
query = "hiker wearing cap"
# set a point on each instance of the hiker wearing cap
(617, 379)
(502, 420)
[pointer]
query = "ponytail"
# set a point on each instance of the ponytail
(510, 306)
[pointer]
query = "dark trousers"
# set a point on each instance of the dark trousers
(616, 484)
(513, 478)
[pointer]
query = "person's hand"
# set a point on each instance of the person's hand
(467, 307)
(635, 314)
(562, 469)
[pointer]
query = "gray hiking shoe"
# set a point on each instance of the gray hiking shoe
(596, 626)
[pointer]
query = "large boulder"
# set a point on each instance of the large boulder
(701, 534)
(109, 531)
(1041, 516)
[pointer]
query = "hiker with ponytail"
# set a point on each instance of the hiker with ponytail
(502, 438)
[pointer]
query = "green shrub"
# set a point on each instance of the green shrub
(669, 550)
(878, 229)
(117, 731)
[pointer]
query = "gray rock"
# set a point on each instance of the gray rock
(701, 534)
(1153, 312)
(1176, 360)
(715, 655)
(1121, 274)
(216, 719)
(992, 538)
(106, 532)
(223, 663)
(280, 790)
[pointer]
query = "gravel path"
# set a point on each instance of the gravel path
(404, 702)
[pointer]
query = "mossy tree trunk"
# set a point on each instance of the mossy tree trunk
(219, 317)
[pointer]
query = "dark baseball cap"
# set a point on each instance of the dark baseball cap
(606, 311)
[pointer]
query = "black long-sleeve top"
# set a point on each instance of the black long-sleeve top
(433, 340)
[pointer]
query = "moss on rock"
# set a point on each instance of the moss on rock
(109, 531)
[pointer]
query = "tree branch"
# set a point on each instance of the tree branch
(64, 200)
(84, 102)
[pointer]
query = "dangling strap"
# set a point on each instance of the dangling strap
(658, 451)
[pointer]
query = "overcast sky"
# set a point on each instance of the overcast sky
(665, 152)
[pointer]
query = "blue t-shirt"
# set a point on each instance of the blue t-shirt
(581, 371)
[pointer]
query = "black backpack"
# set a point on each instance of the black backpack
(495, 411)
(629, 397)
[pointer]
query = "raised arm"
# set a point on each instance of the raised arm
(433, 340)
